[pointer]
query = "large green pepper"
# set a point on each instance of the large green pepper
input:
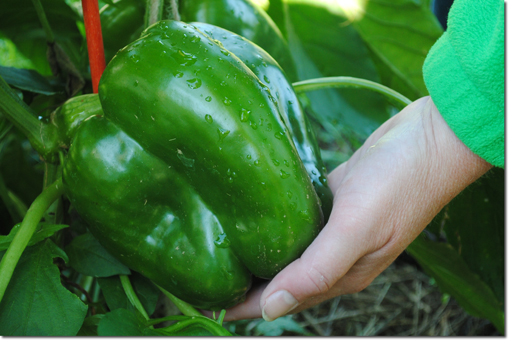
(191, 176)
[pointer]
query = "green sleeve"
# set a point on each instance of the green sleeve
(464, 73)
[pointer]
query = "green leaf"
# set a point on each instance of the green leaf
(90, 325)
(25, 40)
(87, 256)
(116, 298)
(43, 231)
(122, 322)
(5, 126)
(324, 43)
(21, 54)
(278, 327)
(474, 225)
(35, 302)
(28, 80)
(454, 277)
(400, 34)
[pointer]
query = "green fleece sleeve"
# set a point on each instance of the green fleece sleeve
(464, 73)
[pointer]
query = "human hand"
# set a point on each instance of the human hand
(384, 196)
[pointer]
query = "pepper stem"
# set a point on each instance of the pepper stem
(26, 231)
(351, 82)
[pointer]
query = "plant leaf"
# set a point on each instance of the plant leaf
(400, 34)
(90, 325)
(122, 322)
(35, 302)
(474, 225)
(278, 327)
(454, 277)
(43, 231)
(22, 30)
(323, 43)
(28, 80)
(87, 256)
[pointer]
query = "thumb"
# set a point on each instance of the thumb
(324, 262)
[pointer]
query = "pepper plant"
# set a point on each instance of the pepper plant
(182, 149)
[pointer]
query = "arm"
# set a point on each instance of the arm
(385, 195)
(406, 171)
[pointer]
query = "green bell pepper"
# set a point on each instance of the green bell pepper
(191, 177)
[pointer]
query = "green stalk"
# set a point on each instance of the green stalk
(184, 307)
(166, 319)
(27, 229)
(130, 293)
(44, 138)
(351, 82)
(44, 21)
(221, 316)
(54, 214)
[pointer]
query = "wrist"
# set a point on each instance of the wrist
(456, 166)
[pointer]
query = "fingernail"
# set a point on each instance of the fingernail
(278, 304)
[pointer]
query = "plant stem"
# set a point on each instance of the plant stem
(130, 293)
(54, 214)
(351, 82)
(184, 307)
(44, 21)
(154, 12)
(165, 319)
(174, 10)
(27, 229)
(94, 37)
(221, 316)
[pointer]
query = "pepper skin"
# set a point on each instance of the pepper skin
(245, 19)
(191, 177)
(268, 71)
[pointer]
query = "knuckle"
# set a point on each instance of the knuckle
(319, 279)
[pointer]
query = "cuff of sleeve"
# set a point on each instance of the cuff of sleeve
(475, 119)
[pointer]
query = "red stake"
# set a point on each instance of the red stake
(94, 40)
